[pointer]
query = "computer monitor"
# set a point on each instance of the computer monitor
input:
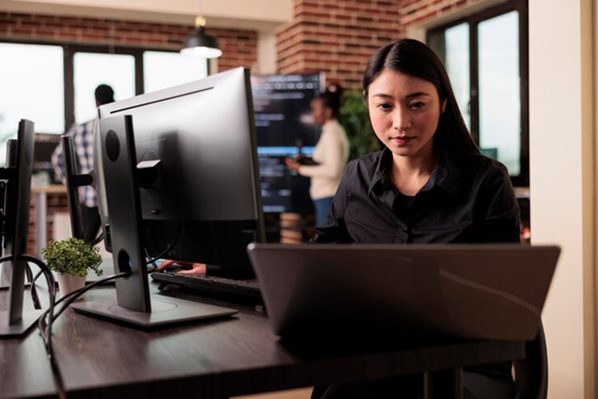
(284, 125)
(74, 180)
(15, 190)
(196, 181)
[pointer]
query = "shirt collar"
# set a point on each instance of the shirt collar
(381, 172)
(446, 175)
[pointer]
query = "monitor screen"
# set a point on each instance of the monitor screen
(73, 180)
(15, 190)
(284, 125)
(200, 198)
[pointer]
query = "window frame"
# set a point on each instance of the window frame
(69, 50)
(473, 20)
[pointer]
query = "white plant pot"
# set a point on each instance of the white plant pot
(68, 283)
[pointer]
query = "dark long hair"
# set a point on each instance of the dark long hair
(414, 58)
(331, 98)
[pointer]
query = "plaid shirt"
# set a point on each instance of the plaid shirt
(82, 135)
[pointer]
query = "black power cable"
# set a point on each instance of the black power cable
(161, 255)
(58, 381)
(45, 326)
(34, 296)
(96, 240)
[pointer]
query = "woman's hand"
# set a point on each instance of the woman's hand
(196, 270)
(292, 164)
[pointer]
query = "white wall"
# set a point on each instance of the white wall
(263, 15)
(562, 184)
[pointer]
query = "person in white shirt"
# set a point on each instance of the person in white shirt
(330, 154)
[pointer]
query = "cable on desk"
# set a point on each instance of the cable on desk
(73, 296)
(45, 327)
(168, 249)
(96, 240)
(39, 273)
(31, 279)
(45, 270)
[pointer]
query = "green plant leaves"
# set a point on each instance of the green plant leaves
(72, 256)
(355, 119)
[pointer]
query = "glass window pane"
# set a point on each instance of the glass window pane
(163, 69)
(452, 46)
(499, 88)
(93, 69)
(457, 66)
(32, 87)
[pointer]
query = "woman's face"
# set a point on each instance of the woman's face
(319, 112)
(404, 111)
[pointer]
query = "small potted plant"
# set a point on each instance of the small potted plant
(71, 259)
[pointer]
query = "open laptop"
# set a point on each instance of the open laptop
(467, 291)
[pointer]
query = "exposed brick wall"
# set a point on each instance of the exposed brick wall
(338, 37)
(239, 46)
(419, 11)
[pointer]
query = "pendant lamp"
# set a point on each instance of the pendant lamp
(200, 43)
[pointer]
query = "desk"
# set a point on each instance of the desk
(214, 359)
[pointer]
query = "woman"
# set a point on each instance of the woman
(430, 184)
(330, 154)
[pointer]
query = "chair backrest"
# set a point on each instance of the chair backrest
(531, 373)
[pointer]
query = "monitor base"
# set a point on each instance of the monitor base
(166, 311)
(28, 320)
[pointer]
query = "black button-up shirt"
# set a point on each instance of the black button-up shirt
(467, 200)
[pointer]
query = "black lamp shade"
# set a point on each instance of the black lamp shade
(199, 42)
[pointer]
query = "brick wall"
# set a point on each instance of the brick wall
(338, 37)
(239, 46)
(418, 11)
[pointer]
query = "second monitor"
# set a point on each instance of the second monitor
(176, 176)
(199, 193)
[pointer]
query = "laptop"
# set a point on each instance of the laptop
(488, 291)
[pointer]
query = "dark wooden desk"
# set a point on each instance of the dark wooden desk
(216, 359)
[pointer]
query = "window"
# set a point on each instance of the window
(32, 88)
(486, 58)
(53, 85)
(164, 69)
(93, 69)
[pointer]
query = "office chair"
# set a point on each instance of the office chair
(531, 373)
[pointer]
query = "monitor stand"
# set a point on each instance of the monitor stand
(16, 321)
(165, 311)
(20, 327)
(6, 276)
(133, 305)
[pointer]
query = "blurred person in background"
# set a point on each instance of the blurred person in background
(330, 154)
